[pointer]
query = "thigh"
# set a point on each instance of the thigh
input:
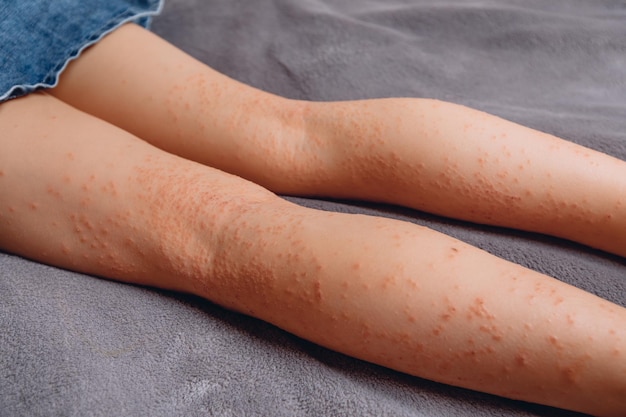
(141, 83)
(82, 194)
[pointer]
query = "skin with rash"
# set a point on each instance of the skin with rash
(91, 189)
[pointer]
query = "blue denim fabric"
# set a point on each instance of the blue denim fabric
(39, 37)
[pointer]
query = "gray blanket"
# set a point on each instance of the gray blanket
(74, 345)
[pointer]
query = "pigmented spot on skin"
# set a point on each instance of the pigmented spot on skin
(317, 287)
(33, 206)
(453, 252)
(471, 355)
(492, 331)
(497, 336)
(446, 316)
(410, 316)
(449, 314)
(478, 309)
(1, 173)
(522, 359)
(389, 282)
(554, 341)
(109, 188)
(438, 330)
(413, 284)
(570, 375)
(54, 192)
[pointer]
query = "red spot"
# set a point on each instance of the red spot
(570, 375)
(521, 359)
(478, 309)
(390, 280)
(471, 353)
(554, 341)
(318, 290)
(53, 192)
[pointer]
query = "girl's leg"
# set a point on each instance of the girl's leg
(82, 194)
(139, 82)
(458, 162)
(434, 156)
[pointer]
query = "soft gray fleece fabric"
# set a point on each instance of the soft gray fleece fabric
(72, 345)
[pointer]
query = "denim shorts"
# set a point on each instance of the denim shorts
(38, 38)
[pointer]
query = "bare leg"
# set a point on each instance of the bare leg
(459, 162)
(434, 156)
(80, 193)
(139, 82)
